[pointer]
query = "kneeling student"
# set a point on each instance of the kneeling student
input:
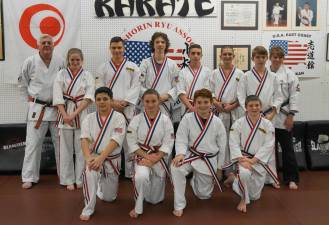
(251, 144)
(102, 135)
(150, 137)
(200, 145)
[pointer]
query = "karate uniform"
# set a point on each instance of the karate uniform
(125, 85)
(203, 144)
(150, 136)
(306, 18)
(276, 14)
(225, 91)
(256, 140)
(290, 90)
(267, 88)
(36, 80)
(163, 80)
(70, 91)
(190, 81)
(103, 183)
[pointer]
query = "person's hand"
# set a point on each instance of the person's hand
(97, 163)
(227, 107)
(117, 106)
(219, 106)
(29, 98)
(270, 115)
(164, 98)
(289, 122)
(246, 165)
(178, 160)
(68, 119)
(153, 157)
(146, 162)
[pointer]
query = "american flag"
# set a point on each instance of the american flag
(295, 51)
(136, 51)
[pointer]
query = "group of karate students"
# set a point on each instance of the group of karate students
(228, 121)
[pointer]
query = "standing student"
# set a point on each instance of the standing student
(122, 77)
(160, 73)
(251, 145)
(192, 78)
(150, 137)
(73, 92)
(264, 84)
(102, 135)
(200, 144)
(36, 85)
(284, 121)
(224, 81)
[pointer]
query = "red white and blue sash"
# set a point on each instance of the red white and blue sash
(201, 155)
(103, 126)
(194, 81)
(116, 74)
(260, 79)
(68, 95)
(226, 82)
(252, 133)
(158, 73)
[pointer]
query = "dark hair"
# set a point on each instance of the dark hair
(105, 90)
(251, 98)
(194, 46)
(117, 39)
(163, 36)
(277, 50)
(260, 50)
(226, 47)
(205, 93)
(151, 92)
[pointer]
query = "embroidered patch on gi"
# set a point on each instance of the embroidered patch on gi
(231, 129)
(237, 79)
(118, 130)
(130, 69)
(262, 130)
(129, 131)
(34, 114)
(142, 75)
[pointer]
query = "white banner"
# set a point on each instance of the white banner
(26, 21)
(304, 52)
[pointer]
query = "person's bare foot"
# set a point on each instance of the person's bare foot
(293, 185)
(84, 217)
(178, 213)
(79, 186)
(70, 187)
(133, 214)
(276, 186)
(26, 185)
(229, 180)
(242, 206)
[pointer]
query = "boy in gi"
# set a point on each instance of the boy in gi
(122, 77)
(251, 145)
(264, 84)
(102, 135)
(200, 143)
(192, 78)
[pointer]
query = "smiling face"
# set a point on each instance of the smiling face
(202, 105)
(151, 102)
(75, 61)
(227, 56)
(276, 61)
(253, 108)
(103, 102)
(117, 50)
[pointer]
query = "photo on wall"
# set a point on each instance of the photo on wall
(277, 15)
(306, 15)
(242, 56)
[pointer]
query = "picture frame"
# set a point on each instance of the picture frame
(303, 11)
(277, 14)
(242, 59)
(2, 42)
(239, 15)
(327, 51)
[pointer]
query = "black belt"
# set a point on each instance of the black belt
(47, 104)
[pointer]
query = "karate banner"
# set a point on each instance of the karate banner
(304, 52)
(26, 21)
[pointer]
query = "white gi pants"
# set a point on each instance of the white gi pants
(250, 185)
(69, 143)
(34, 141)
(272, 165)
(129, 160)
(149, 184)
(202, 184)
(103, 183)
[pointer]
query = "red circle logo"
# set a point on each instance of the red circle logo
(47, 18)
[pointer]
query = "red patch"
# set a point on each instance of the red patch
(118, 130)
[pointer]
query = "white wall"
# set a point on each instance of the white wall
(95, 33)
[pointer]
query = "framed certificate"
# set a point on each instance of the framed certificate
(239, 15)
(2, 46)
(241, 59)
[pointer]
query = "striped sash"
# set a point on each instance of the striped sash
(226, 82)
(195, 154)
(253, 131)
(103, 125)
(158, 73)
(260, 79)
(194, 81)
(116, 73)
